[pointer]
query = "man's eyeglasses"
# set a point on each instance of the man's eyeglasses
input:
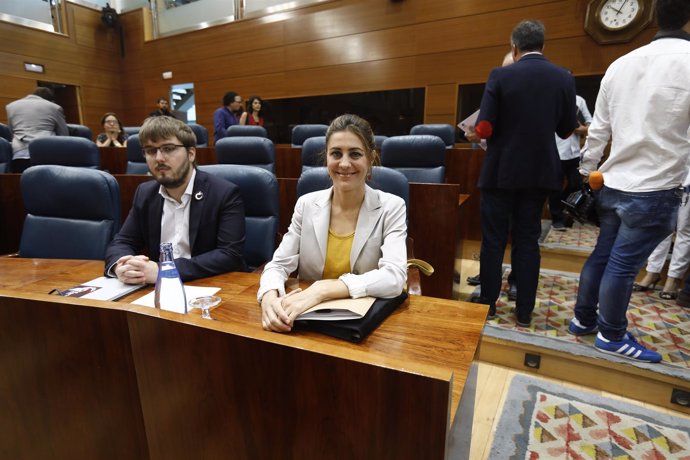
(165, 149)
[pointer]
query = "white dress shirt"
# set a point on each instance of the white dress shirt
(570, 148)
(644, 106)
(175, 220)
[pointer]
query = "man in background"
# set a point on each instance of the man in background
(643, 106)
(200, 214)
(227, 115)
(31, 117)
(522, 106)
(162, 109)
(569, 152)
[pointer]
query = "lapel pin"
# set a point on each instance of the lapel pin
(199, 196)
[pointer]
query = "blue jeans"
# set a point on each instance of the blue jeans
(631, 225)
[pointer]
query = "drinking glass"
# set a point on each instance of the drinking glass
(205, 303)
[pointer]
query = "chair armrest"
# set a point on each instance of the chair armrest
(14, 254)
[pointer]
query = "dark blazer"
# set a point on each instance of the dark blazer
(216, 228)
(526, 103)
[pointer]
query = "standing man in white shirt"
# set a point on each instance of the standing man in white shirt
(644, 107)
(569, 152)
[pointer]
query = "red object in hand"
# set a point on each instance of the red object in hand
(596, 180)
(484, 129)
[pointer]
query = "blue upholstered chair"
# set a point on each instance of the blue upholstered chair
(201, 134)
(65, 151)
(5, 155)
(5, 132)
(131, 130)
(444, 131)
(136, 162)
(312, 152)
(378, 140)
(421, 158)
(80, 131)
(246, 131)
(301, 133)
(250, 151)
(72, 213)
(259, 190)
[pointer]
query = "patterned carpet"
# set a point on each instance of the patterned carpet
(580, 237)
(661, 325)
(543, 420)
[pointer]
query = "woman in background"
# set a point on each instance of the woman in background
(350, 238)
(253, 115)
(113, 136)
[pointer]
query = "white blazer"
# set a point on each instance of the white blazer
(378, 260)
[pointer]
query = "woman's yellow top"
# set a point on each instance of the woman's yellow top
(337, 255)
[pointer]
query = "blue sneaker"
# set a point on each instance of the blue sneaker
(627, 348)
(577, 328)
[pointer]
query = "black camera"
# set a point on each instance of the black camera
(581, 206)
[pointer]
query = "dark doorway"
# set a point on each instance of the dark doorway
(67, 97)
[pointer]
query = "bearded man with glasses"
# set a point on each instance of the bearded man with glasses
(201, 215)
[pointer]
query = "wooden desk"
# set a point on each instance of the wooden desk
(90, 379)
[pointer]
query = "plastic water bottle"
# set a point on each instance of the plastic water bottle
(169, 293)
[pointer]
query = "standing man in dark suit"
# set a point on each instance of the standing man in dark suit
(31, 117)
(522, 106)
(162, 109)
(201, 215)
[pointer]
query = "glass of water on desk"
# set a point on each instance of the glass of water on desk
(205, 303)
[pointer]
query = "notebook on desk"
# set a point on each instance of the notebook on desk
(101, 288)
(354, 330)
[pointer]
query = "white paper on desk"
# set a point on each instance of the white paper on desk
(190, 292)
(102, 288)
(339, 309)
(469, 122)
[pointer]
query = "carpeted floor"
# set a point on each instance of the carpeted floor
(662, 325)
(580, 237)
(543, 420)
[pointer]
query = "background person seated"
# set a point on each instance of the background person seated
(162, 109)
(113, 135)
(350, 237)
(200, 214)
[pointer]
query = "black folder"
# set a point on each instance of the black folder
(354, 330)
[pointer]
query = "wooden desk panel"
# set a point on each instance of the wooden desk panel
(208, 388)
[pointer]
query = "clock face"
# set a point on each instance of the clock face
(618, 14)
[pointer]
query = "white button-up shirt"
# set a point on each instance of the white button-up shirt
(644, 107)
(175, 220)
(570, 148)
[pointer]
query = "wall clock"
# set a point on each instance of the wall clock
(617, 21)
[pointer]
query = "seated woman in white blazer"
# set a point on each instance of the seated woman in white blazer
(350, 238)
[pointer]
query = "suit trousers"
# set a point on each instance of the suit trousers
(571, 174)
(518, 212)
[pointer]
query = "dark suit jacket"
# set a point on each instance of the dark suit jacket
(526, 103)
(216, 228)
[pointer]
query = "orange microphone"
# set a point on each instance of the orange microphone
(596, 180)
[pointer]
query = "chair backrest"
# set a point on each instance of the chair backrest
(382, 178)
(246, 131)
(5, 155)
(444, 131)
(201, 134)
(421, 158)
(80, 131)
(65, 151)
(378, 140)
(72, 213)
(259, 191)
(250, 151)
(301, 133)
(131, 130)
(136, 163)
(312, 152)
(5, 132)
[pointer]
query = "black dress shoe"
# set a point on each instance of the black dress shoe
(512, 292)
(523, 319)
(683, 299)
(473, 280)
